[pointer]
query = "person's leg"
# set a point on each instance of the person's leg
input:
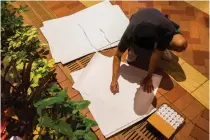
(177, 44)
(167, 55)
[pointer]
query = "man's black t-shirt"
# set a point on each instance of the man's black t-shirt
(146, 27)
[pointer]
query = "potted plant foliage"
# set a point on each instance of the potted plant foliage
(33, 106)
(60, 118)
(25, 72)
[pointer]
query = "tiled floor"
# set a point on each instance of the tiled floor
(202, 5)
(193, 62)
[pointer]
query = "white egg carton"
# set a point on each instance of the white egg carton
(170, 116)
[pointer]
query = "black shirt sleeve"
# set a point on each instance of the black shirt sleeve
(126, 39)
(165, 35)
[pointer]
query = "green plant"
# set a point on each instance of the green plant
(25, 71)
(26, 76)
(60, 118)
(18, 99)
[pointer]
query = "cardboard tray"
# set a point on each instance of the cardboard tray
(161, 125)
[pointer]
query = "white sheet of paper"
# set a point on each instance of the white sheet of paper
(48, 38)
(108, 29)
(105, 114)
(126, 101)
(72, 36)
(115, 44)
(114, 23)
(58, 32)
(93, 27)
(69, 44)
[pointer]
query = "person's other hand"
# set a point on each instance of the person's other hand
(147, 84)
(114, 87)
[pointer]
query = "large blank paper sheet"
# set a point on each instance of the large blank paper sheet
(101, 32)
(74, 36)
(87, 20)
(68, 44)
(104, 113)
(130, 105)
(108, 29)
(114, 23)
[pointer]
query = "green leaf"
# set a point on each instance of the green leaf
(41, 69)
(34, 85)
(50, 101)
(36, 79)
(20, 66)
(30, 38)
(54, 88)
(6, 60)
(46, 121)
(22, 8)
(79, 133)
(32, 74)
(74, 138)
(66, 105)
(29, 91)
(51, 63)
(75, 111)
(44, 45)
(90, 136)
(18, 44)
(89, 123)
(61, 127)
(64, 128)
(80, 104)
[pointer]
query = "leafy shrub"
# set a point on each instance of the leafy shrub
(25, 71)
(26, 77)
(59, 118)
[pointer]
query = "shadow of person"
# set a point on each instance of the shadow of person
(173, 68)
(143, 102)
(165, 68)
(166, 82)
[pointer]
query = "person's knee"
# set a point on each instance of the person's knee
(181, 42)
(178, 43)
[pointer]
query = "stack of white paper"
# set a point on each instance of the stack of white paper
(92, 29)
(114, 112)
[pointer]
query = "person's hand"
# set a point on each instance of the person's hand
(147, 84)
(114, 87)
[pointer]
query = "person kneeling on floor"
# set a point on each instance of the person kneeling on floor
(151, 30)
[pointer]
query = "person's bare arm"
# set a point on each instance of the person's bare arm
(115, 70)
(122, 47)
(116, 64)
(147, 82)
